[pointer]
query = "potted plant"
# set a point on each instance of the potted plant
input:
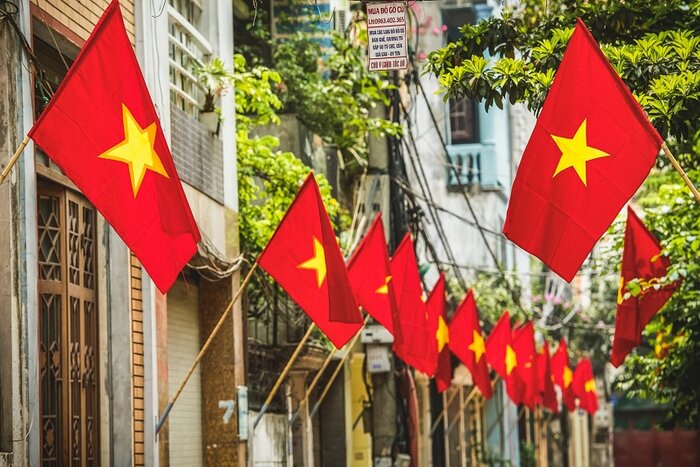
(214, 78)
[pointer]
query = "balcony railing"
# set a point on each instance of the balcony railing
(467, 159)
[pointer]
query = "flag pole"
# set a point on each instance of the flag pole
(680, 170)
(317, 405)
(283, 375)
(445, 405)
(317, 378)
(205, 347)
(13, 160)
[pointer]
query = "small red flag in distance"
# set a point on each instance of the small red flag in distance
(468, 343)
(591, 149)
(584, 386)
(524, 346)
(437, 323)
(102, 130)
(501, 355)
(563, 376)
(545, 380)
(370, 276)
(412, 340)
(304, 258)
(641, 258)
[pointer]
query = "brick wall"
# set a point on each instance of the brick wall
(197, 154)
(80, 16)
(137, 360)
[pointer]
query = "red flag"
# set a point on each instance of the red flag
(545, 380)
(370, 276)
(591, 148)
(102, 130)
(641, 258)
(562, 374)
(468, 343)
(584, 386)
(502, 357)
(524, 346)
(412, 342)
(437, 323)
(304, 258)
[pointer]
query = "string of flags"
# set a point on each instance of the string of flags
(591, 149)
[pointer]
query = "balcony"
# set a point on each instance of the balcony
(469, 159)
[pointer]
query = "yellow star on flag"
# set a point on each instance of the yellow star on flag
(442, 334)
(575, 152)
(511, 359)
(589, 386)
(136, 150)
(384, 288)
(477, 346)
(567, 376)
(317, 262)
(620, 295)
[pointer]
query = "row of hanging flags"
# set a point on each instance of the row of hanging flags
(591, 149)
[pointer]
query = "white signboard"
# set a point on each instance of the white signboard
(386, 28)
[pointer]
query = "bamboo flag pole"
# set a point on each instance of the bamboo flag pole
(680, 170)
(283, 375)
(13, 160)
(205, 347)
(442, 413)
(317, 405)
(464, 403)
(317, 378)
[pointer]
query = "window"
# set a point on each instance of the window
(463, 121)
(68, 328)
(187, 48)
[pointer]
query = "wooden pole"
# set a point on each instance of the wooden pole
(283, 375)
(317, 405)
(680, 170)
(445, 405)
(205, 347)
(13, 159)
(317, 378)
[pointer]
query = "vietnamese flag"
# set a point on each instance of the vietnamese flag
(524, 346)
(468, 343)
(591, 149)
(562, 375)
(437, 323)
(304, 258)
(545, 380)
(503, 359)
(102, 130)
(584, 386)
(370, 276)
(641, 258)
(413, 342)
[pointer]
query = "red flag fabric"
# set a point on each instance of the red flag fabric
(545, 380)
(413, 342)
(502, 357)
(468, 343)
(562, 374)
(370, 276)
(591, 149)
(524, 346)
(304, 258)
(437, 322)
(584, 386)
(641, 258)
(102, 130)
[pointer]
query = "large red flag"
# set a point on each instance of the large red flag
(370, 276)
(413, 342)
(545, 383)
(502, 357)
(584, 386)
(437, 323)
(562, 374)
(591, 148)
(304, 258)
(102, 130)
(468, 343)
(524, 346)
(641, 258)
